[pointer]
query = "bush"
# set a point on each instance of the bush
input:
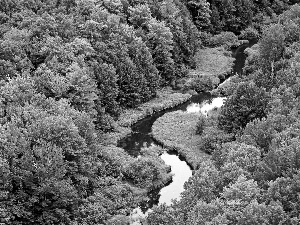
(212, 138)
(249, 33)
(202, 83)
(205, 38)
(143, 172)
(228, 87)
(226, 39)
(200, 125)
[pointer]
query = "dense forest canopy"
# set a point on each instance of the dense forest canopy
(236, 15)
(67, 69)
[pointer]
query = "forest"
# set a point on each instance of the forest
(70, 68)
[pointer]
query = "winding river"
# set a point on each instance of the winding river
(141, 137)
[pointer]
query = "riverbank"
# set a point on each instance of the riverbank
(166, 99)
(177, 131)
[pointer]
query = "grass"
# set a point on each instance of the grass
(165, 99)
(177, 131)
(211, 65)
(213, 62)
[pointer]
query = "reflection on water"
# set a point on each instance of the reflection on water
(205, 106)
(240, 56)
(135, 142)
(182, 173)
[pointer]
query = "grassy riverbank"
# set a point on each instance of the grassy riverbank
(212, 64)
(166, 98)
(177, 131)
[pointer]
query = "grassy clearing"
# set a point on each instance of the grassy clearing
(166, 98)
(177, 131)
(212, 64)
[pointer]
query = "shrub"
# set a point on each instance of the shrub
(205, 38)
(228, 87)
(212, 138)
(226, 39)
(142, 172)
(203, 83)
(249, 33)
(200, 125)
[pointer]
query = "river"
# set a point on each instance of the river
(141, 137)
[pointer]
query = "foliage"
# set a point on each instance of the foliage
(212, 138)
(249, 33)
(246, 104)
(226, 39)
(200, 124)
(228, 87)
(236, 16)
(200, 84)
(68, 68)
(200, 13)
(54, 164)
(212, 64)
(142, 172)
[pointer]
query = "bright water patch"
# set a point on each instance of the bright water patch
(182, 173)
(205, 106)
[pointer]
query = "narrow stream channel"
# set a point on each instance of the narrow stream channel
(141, 137)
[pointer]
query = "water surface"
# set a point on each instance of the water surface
(182, 173)
(205, 106)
